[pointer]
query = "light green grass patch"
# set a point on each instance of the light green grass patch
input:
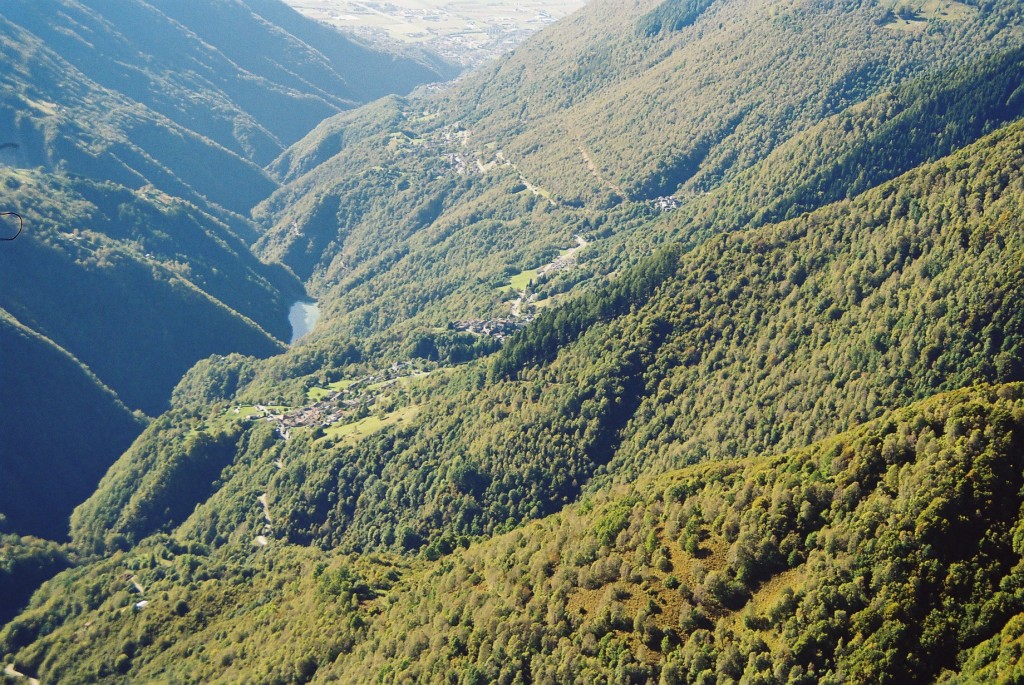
(225, 420)
(318, 393)
(523, 279)
(925, 11)
(946, 10)
(519, 282)
(425, 118)
(351, 433)
(546, 302)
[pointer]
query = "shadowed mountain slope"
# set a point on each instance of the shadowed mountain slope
(52, 455)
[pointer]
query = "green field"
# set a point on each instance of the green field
(317, 393)
(521, 280)
(225, 420)
(915, 15)
(352, 433)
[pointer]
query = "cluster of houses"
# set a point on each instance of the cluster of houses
(324, 413)
(495, 328)
(566, 260)
(667, 203)
(332, 408)
(459, 163)
(560, 263)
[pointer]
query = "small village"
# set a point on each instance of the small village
(340, 403)
(498, 329)
(323, 413)
(666, 203)
(501, 328)
(330, 409)
(458, 162)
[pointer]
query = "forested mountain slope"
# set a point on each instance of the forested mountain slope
(681, 345)
(754, 342)
(620, 110)
(52, 455)
(132, 136)
(763, 341)
(886, 554)
(115, 296)
(923, 119)
(193, 98)
(121, 279)
(27, 562)
(425, 208)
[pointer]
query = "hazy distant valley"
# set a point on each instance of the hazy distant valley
(680, 344)
(467, 33)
